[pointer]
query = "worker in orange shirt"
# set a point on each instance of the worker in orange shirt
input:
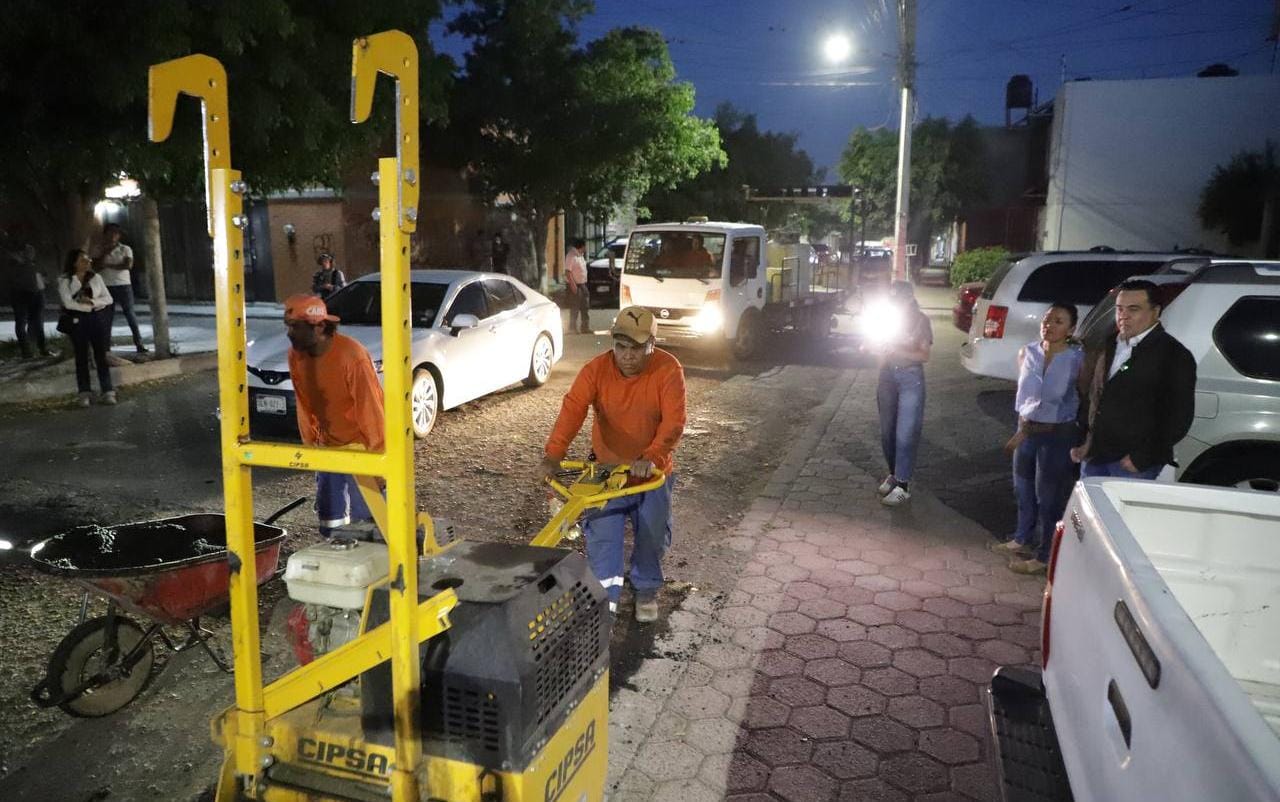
(339, 404)
(636, 392)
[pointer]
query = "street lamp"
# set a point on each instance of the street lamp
(837, 47)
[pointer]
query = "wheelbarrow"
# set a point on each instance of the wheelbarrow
(170, 571)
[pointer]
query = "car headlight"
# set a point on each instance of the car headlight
(881, 321)
(709, 319)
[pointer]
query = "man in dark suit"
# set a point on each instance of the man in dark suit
(1142, 396)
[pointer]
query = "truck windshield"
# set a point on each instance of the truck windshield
(675, 254)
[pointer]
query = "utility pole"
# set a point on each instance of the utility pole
(906, 77)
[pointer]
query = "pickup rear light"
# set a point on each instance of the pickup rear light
(712, 296)
(993, 327)
(626, 295)
(1046, 611)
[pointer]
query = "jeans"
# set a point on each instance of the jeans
(123, 297)
(339, 502)
(900, 399)
(1042, 477)
(579, 304)
(650, 517)
(1093, 468)
(90, 333)
(28, 320)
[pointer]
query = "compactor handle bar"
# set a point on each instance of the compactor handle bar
(593, 485)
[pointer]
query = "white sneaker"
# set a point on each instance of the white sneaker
(84, 399)
(888, 484)
(109, 398)
(898, 495)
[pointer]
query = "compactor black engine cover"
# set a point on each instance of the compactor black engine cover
(528, 639)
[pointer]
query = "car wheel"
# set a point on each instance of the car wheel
(1258, 470)
(540, 362)
(750, 332)
(425, 398)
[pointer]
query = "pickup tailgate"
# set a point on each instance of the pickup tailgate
(1143, 706)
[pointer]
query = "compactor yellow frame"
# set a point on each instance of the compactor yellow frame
(243, 729)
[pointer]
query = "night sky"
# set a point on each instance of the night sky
(765, 57)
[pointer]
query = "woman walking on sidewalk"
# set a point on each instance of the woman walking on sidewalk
(84, 319)
(1047, 403)
(900, 392)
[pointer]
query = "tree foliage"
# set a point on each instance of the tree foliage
(553, 125)
(1233, 200)
(977, 264)
(755, 158)
(947, 175)
(73, 83)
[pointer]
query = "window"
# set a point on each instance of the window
(470, 301)
(502, 295)
(675, 254)
(745, 260)
(360, 303)
(1083, 283)
(993, 283)
(1249, 337)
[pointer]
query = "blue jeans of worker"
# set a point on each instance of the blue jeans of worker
(338, 501)
(1042, 477)
(900, 399)
(650, 517)
(1094, 468)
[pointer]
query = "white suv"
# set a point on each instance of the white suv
(1227, 313)
(1007, 314)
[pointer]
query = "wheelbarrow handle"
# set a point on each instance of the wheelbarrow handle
(292, 505)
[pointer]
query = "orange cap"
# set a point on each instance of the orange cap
(307, 307)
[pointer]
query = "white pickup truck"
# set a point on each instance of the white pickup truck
(1160, 648)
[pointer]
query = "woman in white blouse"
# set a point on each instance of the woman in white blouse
(84, 300)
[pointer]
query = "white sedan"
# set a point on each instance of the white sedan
(473, 334)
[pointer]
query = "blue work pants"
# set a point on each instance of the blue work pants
(650, 517)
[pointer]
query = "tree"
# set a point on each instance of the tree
(755, 158)
(948, 173)
(1237, 194)
(73, 84)
(551, 125)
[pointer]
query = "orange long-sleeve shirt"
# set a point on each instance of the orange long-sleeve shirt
(641, 417)
(339, 397)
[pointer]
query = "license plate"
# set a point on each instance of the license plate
(272, 404)
(602, 288)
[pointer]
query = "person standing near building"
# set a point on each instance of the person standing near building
(86, 305)
(339, 402)
(637, 395)
(1047, 403)
(478, 251)
(900, 394)
(499, 252)
(1142, 396)
(575, 274)
(328, 279)
(26, 293)
(115, 265)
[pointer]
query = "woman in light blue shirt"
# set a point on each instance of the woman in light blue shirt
(1047, 403)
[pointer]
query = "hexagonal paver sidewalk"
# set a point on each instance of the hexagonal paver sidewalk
(847, 663)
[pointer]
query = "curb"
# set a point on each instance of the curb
(63, 385)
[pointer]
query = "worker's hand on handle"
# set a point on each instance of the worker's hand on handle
(642, 469)
(548, 468)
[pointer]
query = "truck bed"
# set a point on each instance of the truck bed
(1223, 566)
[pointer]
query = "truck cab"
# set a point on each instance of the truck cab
(698, 279)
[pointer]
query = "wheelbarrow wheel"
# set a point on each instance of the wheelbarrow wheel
(83, 654)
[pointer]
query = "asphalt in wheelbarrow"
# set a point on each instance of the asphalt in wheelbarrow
(141, 547)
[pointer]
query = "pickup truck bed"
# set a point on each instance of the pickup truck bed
(1163, 671)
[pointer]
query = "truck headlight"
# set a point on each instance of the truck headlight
(709, 319)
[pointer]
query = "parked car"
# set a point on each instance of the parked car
(1008, 311)
(875, 267)
(966, 296)
(1157, 677)
(473, 334)
(603, 272)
